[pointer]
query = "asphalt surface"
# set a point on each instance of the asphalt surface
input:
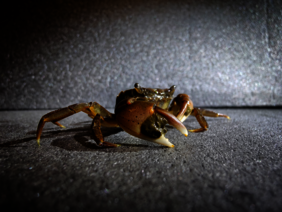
(234, 166)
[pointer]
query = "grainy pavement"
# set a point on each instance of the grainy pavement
(234, 166)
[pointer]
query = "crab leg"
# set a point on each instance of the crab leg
(98, 136)
(57, 115)
(209, 113)
(182, 107)
(90, 108)
(201, 119)
(200, 113)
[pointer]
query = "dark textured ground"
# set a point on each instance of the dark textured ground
(234, 166)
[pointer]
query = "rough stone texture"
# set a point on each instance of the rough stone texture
(234, 166)
(56, 53)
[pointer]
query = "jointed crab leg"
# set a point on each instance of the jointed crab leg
(209, 113)
(201, 119)
(98, 136)
(58, 115)
(200, 113)
(182, 107)
(92, 109)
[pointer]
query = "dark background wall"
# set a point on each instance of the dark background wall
(221, 53)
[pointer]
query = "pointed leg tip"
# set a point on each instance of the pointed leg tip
(62, 126)
(38, 142)
(225, 116)
(108, 144)
(58, 124)
(198, 130)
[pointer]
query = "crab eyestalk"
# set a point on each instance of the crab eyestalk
(172, 89)
(138, 88)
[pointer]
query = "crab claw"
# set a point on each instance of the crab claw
(172, 120)
(161, 140)
(143, 120)
(181, 107)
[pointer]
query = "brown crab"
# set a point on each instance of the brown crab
(141, 112)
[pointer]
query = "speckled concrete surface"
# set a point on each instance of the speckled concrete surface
(222, 53)
(234, 166)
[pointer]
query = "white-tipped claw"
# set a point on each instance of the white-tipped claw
(172, 120)
(163, 141)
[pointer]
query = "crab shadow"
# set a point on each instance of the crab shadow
(80, 139)
(84, 141)
(47, 133)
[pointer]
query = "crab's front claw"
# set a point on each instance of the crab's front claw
(143, 120)
(181, 107)
(172, 120)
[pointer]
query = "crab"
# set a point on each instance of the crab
(141, 112)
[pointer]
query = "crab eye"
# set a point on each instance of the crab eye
(138, 88)
(172, 89)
